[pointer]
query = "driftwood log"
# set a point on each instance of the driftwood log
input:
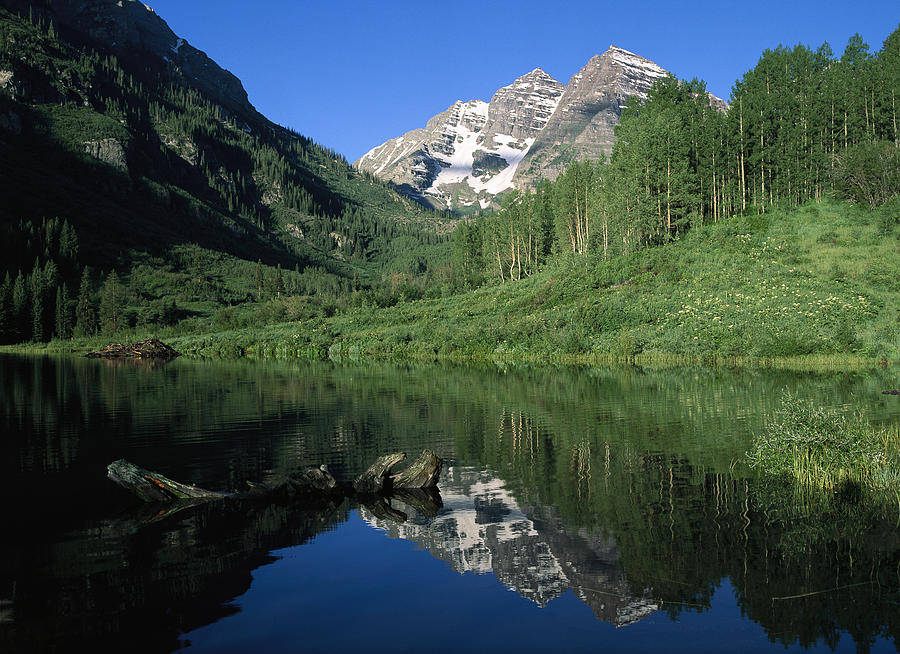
(415, 485)
(150, 349)
(153, 487)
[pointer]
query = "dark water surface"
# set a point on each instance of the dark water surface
(583, 510)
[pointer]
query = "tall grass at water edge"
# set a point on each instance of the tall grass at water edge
(825, 450)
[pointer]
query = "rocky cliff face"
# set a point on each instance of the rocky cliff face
(583, 125)
(469, 153)
(531, 129)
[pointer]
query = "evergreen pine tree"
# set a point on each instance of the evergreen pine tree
(259, 279)
(19, 311)
(68, 242)
(51, 275)
(111, 304)
(37, 303)
(51, 278)
(63, 313)
(85, 316)
(279, 282)
(468, 263)
(5, 308)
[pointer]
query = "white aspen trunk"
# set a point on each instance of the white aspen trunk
(669, 196)
(587, 223)
(874, 136)
(762, 165)
(578, 235)
(866, 108)
(845, 129)
(512, 252)
(605, 236)
(743, 177)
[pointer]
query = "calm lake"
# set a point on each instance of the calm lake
(604, 510)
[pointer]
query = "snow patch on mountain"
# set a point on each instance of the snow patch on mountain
(485, 154)
(460, 162)
(461, 141)
(459, 166)
(510, 153)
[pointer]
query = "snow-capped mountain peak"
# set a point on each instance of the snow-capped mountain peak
(531, 129)
(470, 152)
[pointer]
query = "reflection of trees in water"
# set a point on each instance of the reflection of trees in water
(803, 573)
(274, 417)
(116, 580)
(827, 566)
(43, 417)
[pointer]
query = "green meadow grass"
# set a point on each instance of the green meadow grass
(815, 287)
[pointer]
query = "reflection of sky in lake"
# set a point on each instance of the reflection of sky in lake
(483, 575)
(354, 590)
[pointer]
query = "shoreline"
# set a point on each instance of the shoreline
(353, 354)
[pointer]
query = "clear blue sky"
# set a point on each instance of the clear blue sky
(352, 74)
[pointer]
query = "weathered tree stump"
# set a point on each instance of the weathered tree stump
(380, 477)
(374, 479)
(421, 473)
(150, 349)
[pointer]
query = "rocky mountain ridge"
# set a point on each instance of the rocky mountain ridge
(130, 28)
(529, 130)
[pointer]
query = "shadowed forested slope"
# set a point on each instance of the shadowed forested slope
(151, 167)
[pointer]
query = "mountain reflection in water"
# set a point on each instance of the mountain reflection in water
(482, 530)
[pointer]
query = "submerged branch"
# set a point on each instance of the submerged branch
(822, 592)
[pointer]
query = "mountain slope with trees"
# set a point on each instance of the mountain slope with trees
(811, 286)
(177, 184)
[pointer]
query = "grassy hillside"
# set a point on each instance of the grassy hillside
(818, 284)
